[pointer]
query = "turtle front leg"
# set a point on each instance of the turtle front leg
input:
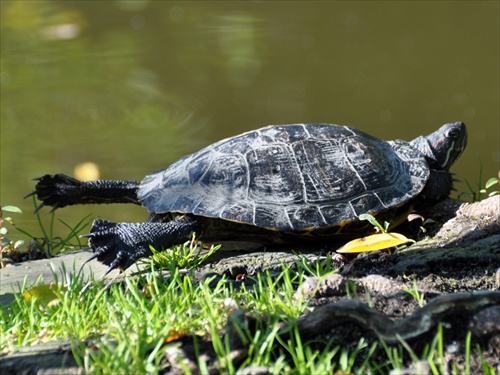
(119, 245)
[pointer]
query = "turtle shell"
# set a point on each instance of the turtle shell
(290, 178)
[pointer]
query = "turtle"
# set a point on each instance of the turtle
(278, 185)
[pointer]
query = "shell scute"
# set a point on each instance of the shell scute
(306, 214)
(273, 175)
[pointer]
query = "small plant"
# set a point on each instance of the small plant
(319, 267)
(8, 246)
(189, 255)
(415, 293)
(373, 221)
(479, 195)
(481, 191)
(50, 245)
(351, 289)
(47, 245)
(489, 184)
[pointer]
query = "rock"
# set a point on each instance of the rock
(473, 236)
(254, 370)
(486, 321)
(378, 284)
(52, 358)
(321, 287)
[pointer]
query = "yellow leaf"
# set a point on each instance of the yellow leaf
(46, 294)
(374, 242)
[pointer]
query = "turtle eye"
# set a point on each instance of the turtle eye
(453, 134)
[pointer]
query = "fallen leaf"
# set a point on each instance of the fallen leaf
(46, 294)
(374, 242)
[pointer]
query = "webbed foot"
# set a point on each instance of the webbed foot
(56, 190)
(119, 245)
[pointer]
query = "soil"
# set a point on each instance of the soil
(455, 268)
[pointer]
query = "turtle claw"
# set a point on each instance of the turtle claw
(30, 194)
(55, 190)
(39, 207)
(108, 271)
(113, 244)
(112, 267)
(94, 256)
(121, 263)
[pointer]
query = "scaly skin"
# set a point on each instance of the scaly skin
(60, 191)
(119, 245)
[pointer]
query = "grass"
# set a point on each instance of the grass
(416, 294)
(188, 255)
(132, 325)
(51, 245)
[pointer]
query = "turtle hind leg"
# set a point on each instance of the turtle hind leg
(119, 245)
(60, 190)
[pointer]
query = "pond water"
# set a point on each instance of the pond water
(131, 86)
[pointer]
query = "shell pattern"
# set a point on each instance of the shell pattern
(290, 177)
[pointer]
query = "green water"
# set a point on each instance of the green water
(132, 86)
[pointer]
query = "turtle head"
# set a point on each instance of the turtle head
(443, 147)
